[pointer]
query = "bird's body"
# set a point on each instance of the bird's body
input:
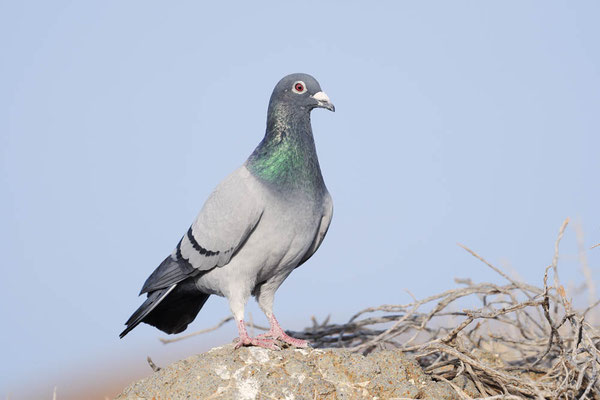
(285, 234)
(260, 223)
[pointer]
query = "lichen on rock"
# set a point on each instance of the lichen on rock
(292, 374)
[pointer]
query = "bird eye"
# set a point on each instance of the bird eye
(299, 87)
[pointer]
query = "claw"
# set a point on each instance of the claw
(277, 333)
(245, 340)
(259, 342)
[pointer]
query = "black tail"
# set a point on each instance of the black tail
(170, 309)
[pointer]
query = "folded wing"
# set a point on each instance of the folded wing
(225, 222)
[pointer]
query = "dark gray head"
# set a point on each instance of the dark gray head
(287, 157)
(300, 91)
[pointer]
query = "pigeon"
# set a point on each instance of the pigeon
(261, 222)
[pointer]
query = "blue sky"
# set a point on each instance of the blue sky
(471, 122)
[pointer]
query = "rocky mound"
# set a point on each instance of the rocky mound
(256, 373)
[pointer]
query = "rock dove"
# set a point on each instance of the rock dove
(264, 220)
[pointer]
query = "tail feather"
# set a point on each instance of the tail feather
(170, 309)
(146, 308)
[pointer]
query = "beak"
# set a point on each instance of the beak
(323, 101)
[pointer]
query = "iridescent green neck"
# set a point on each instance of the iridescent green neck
(286, 157)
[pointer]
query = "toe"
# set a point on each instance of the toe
(267, 344)
(293, 341)
(258, 342)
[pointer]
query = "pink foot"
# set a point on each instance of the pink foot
(246, 340)
(264, 343)
(277, 333)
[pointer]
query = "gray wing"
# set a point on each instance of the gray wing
(229, 215)
(226, 220)
(323, 227)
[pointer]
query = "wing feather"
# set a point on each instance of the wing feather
(228, 217)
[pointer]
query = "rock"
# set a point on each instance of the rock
(293, 374)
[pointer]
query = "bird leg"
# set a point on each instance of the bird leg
(246, 340)
(277, 333)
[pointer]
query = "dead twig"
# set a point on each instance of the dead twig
(214, 328)
(152, 365)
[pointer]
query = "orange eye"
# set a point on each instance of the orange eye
(299, 87)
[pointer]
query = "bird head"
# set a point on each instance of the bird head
(301, 91)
